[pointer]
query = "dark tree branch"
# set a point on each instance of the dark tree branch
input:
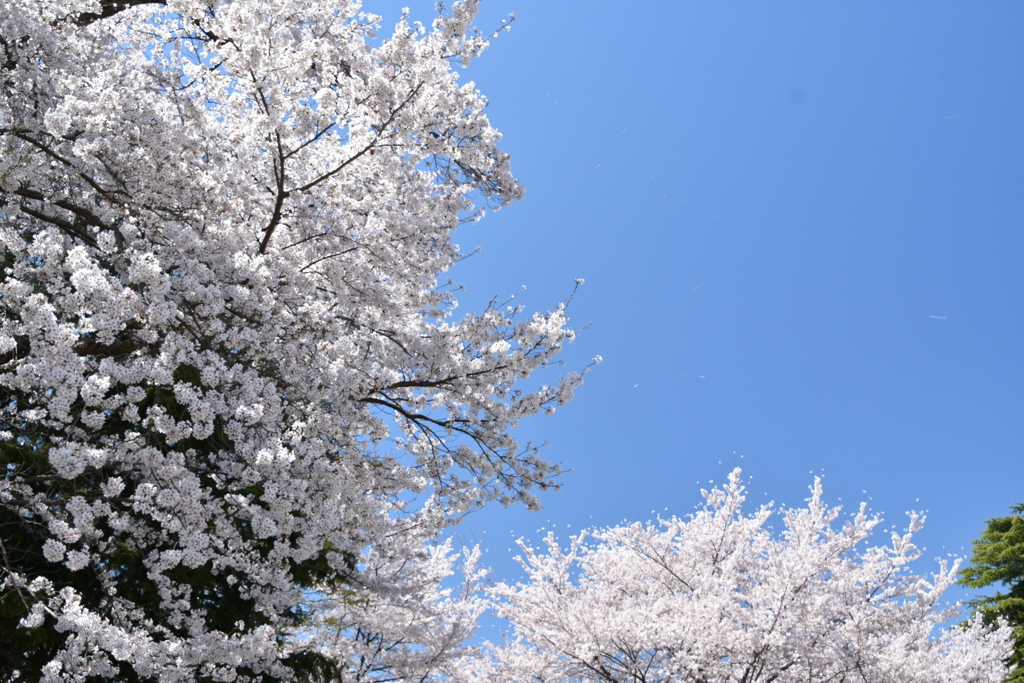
(281, 193)
(85, 214)
(70, 229)
(368, 148)
(46, 149)
(109, 8)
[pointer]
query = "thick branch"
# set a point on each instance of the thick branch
(109, 8)
(85, 214)
(281, 193)
(69, 229)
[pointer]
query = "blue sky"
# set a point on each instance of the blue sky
(802, 230)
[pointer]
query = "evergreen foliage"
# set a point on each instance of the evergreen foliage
(998, 559)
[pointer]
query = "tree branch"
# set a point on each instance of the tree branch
(109, 8)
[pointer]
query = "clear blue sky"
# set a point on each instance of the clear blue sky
(802, 230)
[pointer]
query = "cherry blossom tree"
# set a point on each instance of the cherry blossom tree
(228, 341)
(719, 597)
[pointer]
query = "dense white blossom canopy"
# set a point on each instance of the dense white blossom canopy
(720, 598)
(227, 339)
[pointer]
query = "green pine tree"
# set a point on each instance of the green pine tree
(998, 558)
